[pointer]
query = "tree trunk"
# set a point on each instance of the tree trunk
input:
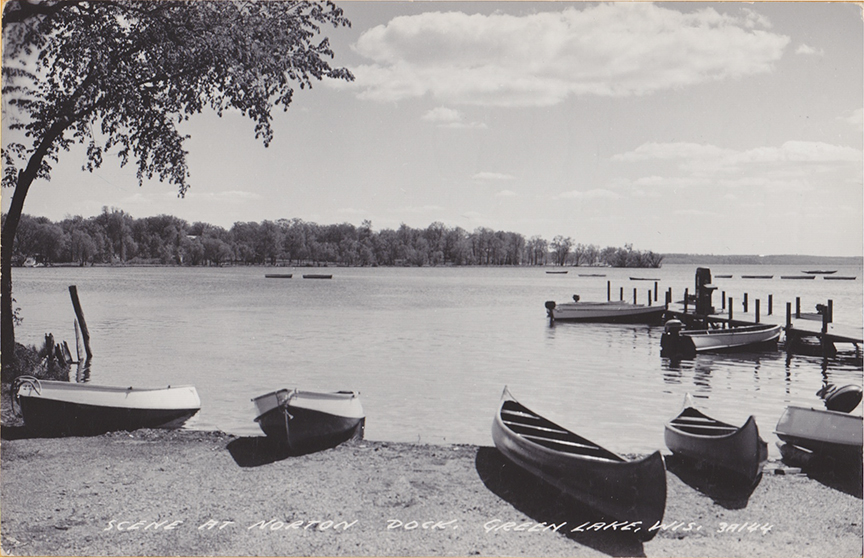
(7, 238)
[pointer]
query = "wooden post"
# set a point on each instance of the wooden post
(649, 297)
(608, 291)
(745, 303)
(797, 306)
(723, 301)
(757, 310)
(770, 304)
(730, 310)
(634, 295)
(85, 333)
(655, 292)
(788, 315)
(77, 341)
(830, 311)
(621, 294)
(686, 296)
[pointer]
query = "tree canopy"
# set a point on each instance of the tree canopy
(119, 76)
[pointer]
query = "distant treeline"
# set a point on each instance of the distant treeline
(115, 237)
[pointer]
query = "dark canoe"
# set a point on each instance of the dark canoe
(317, 276)
(829, 433)
(624, 490)
(71, 409)
(308, 420)
(697, 436)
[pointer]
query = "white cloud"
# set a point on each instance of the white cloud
(856, 118)
(505, 194)
(492, 176)
(540, 59)
(442, 114)
(808, 50)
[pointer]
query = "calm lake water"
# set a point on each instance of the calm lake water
(431, 349)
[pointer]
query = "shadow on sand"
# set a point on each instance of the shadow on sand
(724, 488)
(546, 504)
(255, 451)
(839, 474)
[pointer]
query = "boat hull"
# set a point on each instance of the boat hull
(702, 340)
(70, 409)
(830, 433)
(739, 450)
(632, 491)
(607, 312)
(310, 420)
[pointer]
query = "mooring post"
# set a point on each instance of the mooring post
(655, 292)
(770, 304)
(723, 301)
(757, 310)
(621, 294)
(797, 307)
(830, 311)
(745, 303)
(649, 297)
(634, 295)
(85, 333)
(788, 316)
(608, 291)
(730, 309)
(686, 296)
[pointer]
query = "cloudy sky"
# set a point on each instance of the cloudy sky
(721, 128)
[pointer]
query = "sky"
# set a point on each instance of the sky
(709, 128)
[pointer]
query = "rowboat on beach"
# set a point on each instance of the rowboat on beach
(697, 436)
(608, 312)
(830, 433)
(676, 339)
(66, 408)
(622, 489)
(308, 419)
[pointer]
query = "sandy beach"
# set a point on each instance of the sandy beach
(167, 493)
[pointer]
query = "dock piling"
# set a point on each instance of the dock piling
(757, 311)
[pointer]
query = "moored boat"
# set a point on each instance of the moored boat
(66, 408)
(625, 490)
(840, 278)
(830, 433)
(278, 275)
(675, 339)
(821, 271)
(609, 312)
(695, 435)
(757, 276)
(317, 276)
(722, 276)
(556, 272)
(308, 419)
(799, 277)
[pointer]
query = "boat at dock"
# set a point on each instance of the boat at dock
(738, 449)
(677, 340)
(67, 409)
(797, 277)
(309, 420)
(317, 276)
(622, 489)
(605, 312)
(828, 433)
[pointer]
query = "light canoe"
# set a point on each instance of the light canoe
(697, 436)
(308, 419)
(65, 408)
(625, 490)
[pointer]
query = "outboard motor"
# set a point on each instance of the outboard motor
(575, 298)
(843, 399)
(704, 291)
(673, 344)
(550, 306)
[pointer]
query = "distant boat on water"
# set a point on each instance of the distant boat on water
(644, 279)
(797, 277)
(757, 276)
(820, 272)
(841, 278)
(592, 275)
(278, 275)
(556, 272)
(317, 276)
(722, 276)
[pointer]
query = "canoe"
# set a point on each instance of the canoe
(308, 419)
(278, 275)
(829, 433)
(798, 277)
(737, 449)
(757, 276)
(67, 409)
(677, 340)
(608, 312)
(820, 272)
(624, 490)
(317, 276)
